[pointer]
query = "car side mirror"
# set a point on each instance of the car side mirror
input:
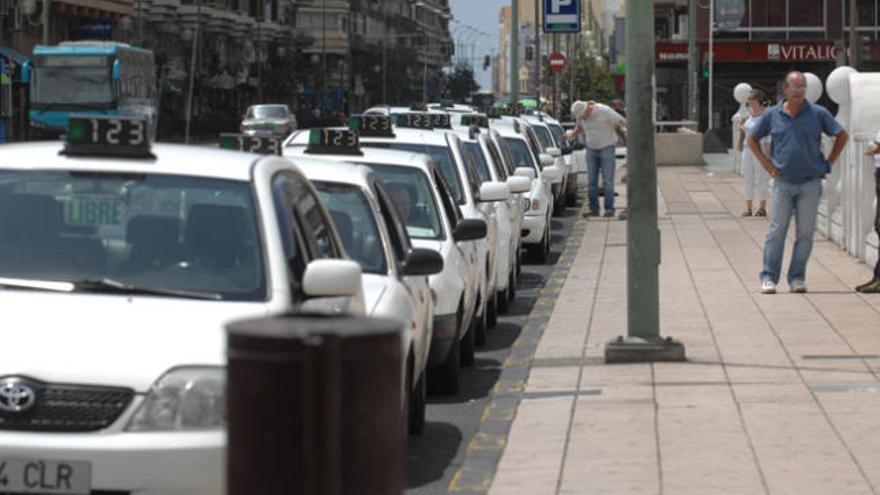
(494, 191)
(518, 184)
(422, 262)
(578, 146)
(552, 173)
(526, 172)
(332, 278)
(469, 230)
(546, 160)
(554, 152)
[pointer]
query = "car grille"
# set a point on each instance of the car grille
(68, 408)
(93, 492)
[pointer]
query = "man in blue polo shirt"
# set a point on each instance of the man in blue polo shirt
(798, 166)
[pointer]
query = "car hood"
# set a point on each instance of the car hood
(110, 339)
(374, 288)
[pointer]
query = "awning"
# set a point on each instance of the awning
(17, 57)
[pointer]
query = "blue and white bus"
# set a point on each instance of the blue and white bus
(89, 77)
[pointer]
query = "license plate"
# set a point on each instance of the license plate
(45, 476)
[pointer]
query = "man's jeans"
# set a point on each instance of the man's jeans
(802, 200)
(601, 159)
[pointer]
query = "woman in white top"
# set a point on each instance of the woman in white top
(757, 181)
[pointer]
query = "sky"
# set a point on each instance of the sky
(483, 16)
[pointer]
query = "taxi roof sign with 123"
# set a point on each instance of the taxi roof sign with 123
(371, 125)
(414, 121)
(250, 144)
(333, 142)
(107, 136)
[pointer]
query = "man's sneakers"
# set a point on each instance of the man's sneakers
(798, 286)
(872, 287)
(768, 287)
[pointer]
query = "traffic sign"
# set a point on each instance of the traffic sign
(562, 16)
(557, 62)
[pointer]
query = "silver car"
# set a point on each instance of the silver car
(268, 120)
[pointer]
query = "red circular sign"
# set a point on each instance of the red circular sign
(557, 62)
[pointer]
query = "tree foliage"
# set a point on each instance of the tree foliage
(460, 83)
(592, 81)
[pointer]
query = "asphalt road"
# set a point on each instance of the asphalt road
(435, 456)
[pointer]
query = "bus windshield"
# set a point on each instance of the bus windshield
(72, 85)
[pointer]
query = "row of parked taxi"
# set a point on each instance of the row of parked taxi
(121, 261)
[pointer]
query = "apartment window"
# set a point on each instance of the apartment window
(769, 13)
(805, 13)
(864, 13)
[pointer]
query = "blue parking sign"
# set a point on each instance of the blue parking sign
(562, 16)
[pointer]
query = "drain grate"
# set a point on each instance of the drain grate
(840, 356)
(846, 389)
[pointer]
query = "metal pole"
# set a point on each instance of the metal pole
(555, 78)
(259, 62)
(425, 74)
(384, 73)
(693, 64)
(514, 51)
(192, 68)
(854, 49)
(46, 8)
(323, 92)
(643, 341)
(537, 52)
(711, 63)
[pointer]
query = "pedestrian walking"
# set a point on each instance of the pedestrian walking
(757, 181)
(797, 164)
(598, 123)
(873, 285)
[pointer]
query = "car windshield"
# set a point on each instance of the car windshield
(411, 192)
(441, 154)
(522, 156)
(353, 216)
(544, 137)
(480, 160)
(556, 129)
(267, 112)
(165, 232)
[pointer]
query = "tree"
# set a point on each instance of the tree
(592, 81)
(460, 83)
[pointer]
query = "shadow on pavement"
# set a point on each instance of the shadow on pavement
(475, 382)
(430, 453)
(502, 336)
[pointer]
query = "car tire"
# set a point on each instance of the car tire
(558, 205)
(492, 314)
(571, 199)
(468, 344)
(504, 298)
(444, 378)
(511, 289)
(416, 404)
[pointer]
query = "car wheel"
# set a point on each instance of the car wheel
(504, 297)
(416, 405)
(571, 199)
(543, 249)
(511, 289)
(444, 378)
(558, 205)
(468, 344)
(492, 316)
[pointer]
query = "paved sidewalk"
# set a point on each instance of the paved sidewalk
(780, 394)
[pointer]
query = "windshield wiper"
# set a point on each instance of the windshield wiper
(24, 283)
(109, 285)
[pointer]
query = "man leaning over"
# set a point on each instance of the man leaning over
(798, 166)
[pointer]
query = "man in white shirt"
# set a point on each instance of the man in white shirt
(599, 124)
(873, 285)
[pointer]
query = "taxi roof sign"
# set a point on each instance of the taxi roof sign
(414, 121)
(475, 119)
(251, 144)
(441, 121)
(333, 142)
(419, 107)
(105, 135)
(371, 125)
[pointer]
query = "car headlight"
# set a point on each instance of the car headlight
(190, 398)
(527, 204)
(536, 204)
(241, 128)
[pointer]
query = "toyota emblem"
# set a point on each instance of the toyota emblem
(15, 396)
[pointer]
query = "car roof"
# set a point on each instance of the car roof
(335, 171)
(379, 156)
(171, 159)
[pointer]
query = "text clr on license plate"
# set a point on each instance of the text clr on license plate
(45, 476)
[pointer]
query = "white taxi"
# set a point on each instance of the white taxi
(541, 170)
(547, 145)
(118, 275)
(394, 272)
(508, 214)
(435, 222)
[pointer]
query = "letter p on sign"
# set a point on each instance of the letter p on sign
(556, 5)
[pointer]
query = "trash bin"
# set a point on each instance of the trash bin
(314, 406)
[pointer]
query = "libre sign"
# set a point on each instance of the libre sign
(557, 62)
(562, 16)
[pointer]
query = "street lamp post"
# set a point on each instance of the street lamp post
(192, 68)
